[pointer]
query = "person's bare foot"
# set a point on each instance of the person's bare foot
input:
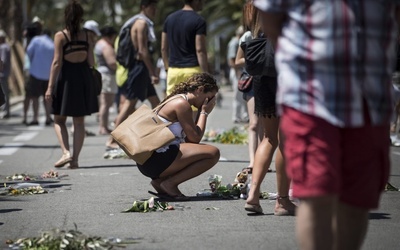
(156, 185)
(171, 189)
(253, 198)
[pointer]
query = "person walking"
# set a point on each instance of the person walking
(335, 94)
(142, 73)
(5, 58)
(33, 29)
(239, 114)
(183, 43)
(255, 128)
(264, 88)
(92, 29)
(106, 65)
(71, 88)
(185, 157)
(40, 52)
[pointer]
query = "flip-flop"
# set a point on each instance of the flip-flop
(166, 196)
(180, 197)
(159, 195)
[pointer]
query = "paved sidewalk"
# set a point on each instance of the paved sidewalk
(94, 196)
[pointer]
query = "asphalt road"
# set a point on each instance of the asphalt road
(94, 196)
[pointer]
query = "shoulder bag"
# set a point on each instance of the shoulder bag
(142, 133)
(245, 82)
(259, 55)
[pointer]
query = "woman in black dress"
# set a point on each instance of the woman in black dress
(71, 86)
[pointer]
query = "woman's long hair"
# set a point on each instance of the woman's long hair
(73, 16)
(205, 80)
(247, 15)
(251, 19)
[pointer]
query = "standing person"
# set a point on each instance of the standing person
(185, 157)
(5, 58)
(142, 74)
(71, 85)
(255, 128)
(183, 43)
(40, 52)
(239, 114)
(93, 28)
(333, 99)
(106, 65)
(33, 29)
(265, 109)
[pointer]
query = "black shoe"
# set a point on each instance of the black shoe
(33, 123)
(49, 122)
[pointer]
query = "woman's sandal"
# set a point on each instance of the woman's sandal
(253, 208)
(65, 159)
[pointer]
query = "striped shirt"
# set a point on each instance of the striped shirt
(335, 55)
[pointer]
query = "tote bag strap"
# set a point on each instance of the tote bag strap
(158, 108)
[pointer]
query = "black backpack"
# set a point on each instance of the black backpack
(126, 53)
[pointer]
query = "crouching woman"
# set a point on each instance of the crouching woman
(185, 157)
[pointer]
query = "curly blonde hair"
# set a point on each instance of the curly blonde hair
(205, 80)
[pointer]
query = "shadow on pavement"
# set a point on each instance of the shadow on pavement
(108, 166)
(379, 216)
(3, 211)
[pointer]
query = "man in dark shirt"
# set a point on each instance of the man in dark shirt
(183, 43)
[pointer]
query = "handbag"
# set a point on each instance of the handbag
(245, 82)
(142, 133)
(98, 81)
(259, 55)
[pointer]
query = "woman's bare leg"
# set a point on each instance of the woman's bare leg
(263, 157)
(79, 136)
(62, 133)
(192, 160)
(253, 131)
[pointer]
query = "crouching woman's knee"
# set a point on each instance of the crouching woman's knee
(214, 154)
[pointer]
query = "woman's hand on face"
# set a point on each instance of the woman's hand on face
(209, 104)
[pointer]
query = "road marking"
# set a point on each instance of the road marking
(396, 153)
(25, 136)
(10, 148)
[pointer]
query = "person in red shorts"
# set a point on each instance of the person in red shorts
(334, 94)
